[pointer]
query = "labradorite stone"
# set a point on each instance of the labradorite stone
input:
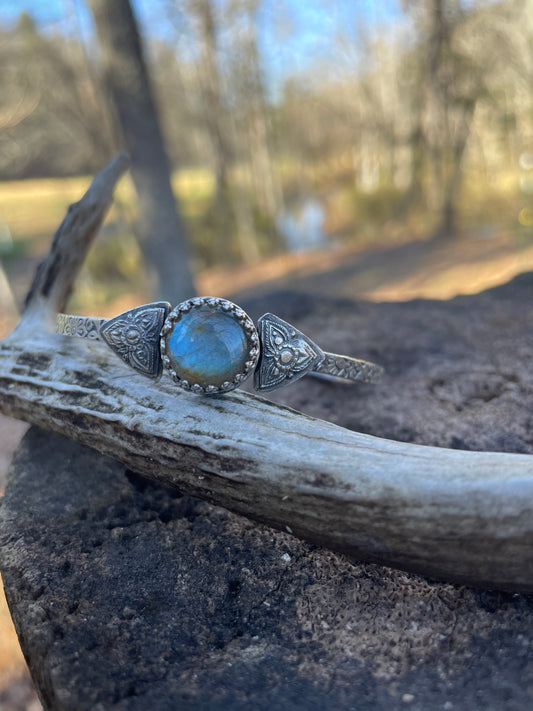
(207, 346)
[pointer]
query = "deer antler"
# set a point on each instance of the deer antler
(456, 515)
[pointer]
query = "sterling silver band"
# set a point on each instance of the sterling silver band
(277, 352)
(349, 368)
(80, 326)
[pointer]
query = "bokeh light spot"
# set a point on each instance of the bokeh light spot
(525, 217)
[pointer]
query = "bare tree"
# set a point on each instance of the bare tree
(203, 13)
(47, 102)
(231, 210)
(164, 239)
(461, 50)
(265, 185)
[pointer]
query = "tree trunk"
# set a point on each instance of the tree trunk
(448, 225)
(204, 14)
(266, 187)
(164, 240)
(435, 109)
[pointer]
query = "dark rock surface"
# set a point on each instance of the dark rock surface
(127, 595)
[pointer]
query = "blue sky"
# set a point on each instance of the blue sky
(293, 34)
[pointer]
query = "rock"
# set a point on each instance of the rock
(128, 596)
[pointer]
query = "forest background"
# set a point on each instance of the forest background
(292, 127)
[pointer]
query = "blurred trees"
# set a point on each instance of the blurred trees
(203, 16)
(414, 116)
(465, 59)
(163, 238)
(52, 121)
(231, 106)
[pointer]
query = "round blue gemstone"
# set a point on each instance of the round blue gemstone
(207, 346)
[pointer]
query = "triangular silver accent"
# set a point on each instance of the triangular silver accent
(134, 337)
(286, 354)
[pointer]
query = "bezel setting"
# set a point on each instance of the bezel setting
(224, 306)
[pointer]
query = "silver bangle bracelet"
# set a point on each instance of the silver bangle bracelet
(210, 345)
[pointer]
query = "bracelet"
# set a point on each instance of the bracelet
(210, 345)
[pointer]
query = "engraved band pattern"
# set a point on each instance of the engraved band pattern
(349, 368)
(79, 326)
(132, 335)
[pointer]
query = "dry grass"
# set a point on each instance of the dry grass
(422, 269)
(12, 664)
(33, 209)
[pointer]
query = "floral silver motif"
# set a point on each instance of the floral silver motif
(286, 354)
(227, 307)
(134, 336)
(349, 368)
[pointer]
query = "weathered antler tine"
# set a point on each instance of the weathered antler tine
(464, 516)
(57, 272)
